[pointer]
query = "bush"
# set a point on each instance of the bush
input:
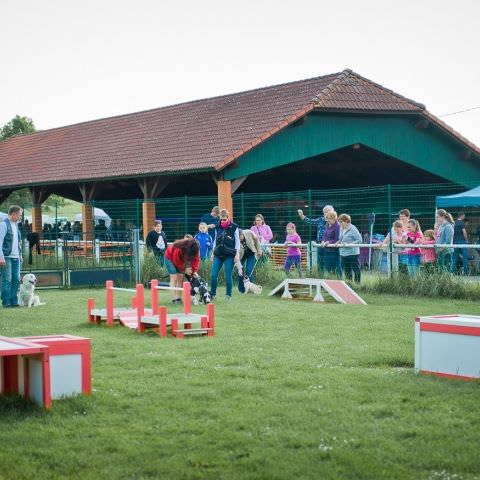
(151, 269)
(437, 284)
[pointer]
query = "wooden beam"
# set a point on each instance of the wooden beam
(39, 195)
(152, 187)
(88, 191)
(4, 194)
(237, 183)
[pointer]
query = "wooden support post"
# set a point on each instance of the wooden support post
(37, 219)
(140, 307)
(148, 214)
(39, 195)
(224, 188)
(162, 321)
(110, 311)
(90, 307)
(151, 188)
(88, 191)
(87, 221)
(154, 296)
(186, 298)
(211, 319)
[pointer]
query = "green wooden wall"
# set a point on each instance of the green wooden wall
(429, 149)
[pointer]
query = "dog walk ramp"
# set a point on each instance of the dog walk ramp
(311, 288)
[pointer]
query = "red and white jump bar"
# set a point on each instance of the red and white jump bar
(448, 346)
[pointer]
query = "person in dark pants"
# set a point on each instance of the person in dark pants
(10, 256)
(226, 252)
(460, 237)
(321, 224)
(331, 261)
(349, 255)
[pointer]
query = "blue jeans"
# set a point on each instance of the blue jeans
(413, 264)
(293, 260)
(464, 252)
(10, 281)
(216, 267)
(247, 263)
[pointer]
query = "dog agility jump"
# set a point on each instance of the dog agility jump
(186, 318)
(155, 318)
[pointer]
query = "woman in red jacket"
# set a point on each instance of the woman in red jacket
(181, 257)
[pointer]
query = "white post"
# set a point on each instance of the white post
(97, 250)
(59, 247)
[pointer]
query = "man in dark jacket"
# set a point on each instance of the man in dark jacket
(10, 256)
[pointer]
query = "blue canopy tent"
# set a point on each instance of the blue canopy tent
(470, 198)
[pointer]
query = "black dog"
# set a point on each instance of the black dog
(199, 290)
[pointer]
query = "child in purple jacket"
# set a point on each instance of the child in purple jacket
(293, 253)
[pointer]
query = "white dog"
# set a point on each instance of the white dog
(252, 287)
(249, 286)
(26, 295)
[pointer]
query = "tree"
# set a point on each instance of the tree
(17, 126)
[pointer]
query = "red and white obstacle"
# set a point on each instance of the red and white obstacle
(448, 346)
(156, 318)
(159, 316)
(311, 288)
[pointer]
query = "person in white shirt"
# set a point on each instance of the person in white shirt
(10, 256)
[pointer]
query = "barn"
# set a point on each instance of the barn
(335, 131)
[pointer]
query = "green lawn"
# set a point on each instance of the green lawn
(286, 390)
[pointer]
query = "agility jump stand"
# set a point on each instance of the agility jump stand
(159, 319)
(125, 315)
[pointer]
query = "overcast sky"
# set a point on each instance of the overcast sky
(65, 62)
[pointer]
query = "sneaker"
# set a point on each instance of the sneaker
(228, 297)
(176, 300)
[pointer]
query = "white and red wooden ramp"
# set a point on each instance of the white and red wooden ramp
(312, 288)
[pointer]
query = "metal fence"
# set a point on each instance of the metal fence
(373, 210)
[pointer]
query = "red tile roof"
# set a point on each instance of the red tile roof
(199, 135)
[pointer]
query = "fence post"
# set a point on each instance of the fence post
(97, 250)
(242, 207)
(390, 243)
(136, 254)
(59, 248)
(137, 213)
(311, 210)
(185, 212)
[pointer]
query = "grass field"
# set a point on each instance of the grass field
(286, 390)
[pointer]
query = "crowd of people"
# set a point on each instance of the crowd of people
(432, 248)
(227, 246)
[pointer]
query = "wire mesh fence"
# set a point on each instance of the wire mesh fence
(372, 209)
